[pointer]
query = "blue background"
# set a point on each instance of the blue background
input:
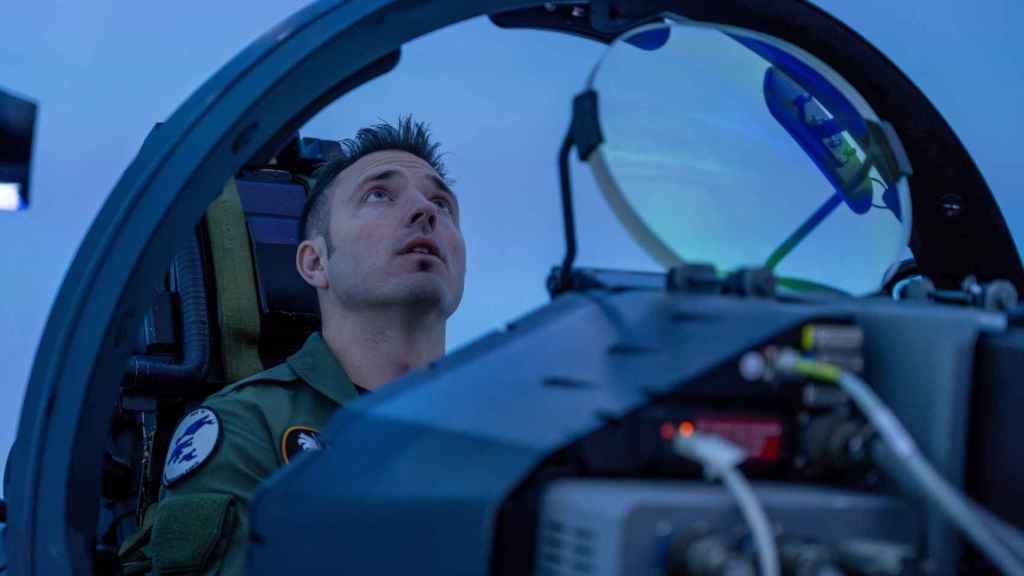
(105, 72)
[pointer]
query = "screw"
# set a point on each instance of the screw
(952, 205)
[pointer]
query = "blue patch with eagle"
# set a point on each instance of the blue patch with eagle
(193, 442)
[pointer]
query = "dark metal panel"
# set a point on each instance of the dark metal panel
(920, 361)
(995, 467)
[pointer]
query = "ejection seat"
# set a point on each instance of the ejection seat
(232, 305)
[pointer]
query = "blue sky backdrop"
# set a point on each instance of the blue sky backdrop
(105, 72)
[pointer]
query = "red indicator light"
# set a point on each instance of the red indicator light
(686, 428)
(668, 430)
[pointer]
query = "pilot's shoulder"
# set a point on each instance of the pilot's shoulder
(230, 441)
(265, 386)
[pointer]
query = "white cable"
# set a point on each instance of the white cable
(1007, 533)
(760, 528)
(908, 459)
(959, 509)
(719, 459)
(907, 456)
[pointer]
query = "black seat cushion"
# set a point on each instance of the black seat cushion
(289, 311)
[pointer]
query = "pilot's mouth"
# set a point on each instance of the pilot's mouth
(424, 248)
(420, 250)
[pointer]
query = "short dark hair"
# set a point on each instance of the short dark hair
(409, 136)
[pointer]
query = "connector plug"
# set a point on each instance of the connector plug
(720, 460)
(713, 452)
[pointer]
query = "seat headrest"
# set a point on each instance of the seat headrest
(272, 203)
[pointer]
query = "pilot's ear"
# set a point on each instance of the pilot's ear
(311, 262)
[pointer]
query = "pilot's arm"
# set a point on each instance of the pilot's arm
(218, 455)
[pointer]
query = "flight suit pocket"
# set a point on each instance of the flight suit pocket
(190, 533)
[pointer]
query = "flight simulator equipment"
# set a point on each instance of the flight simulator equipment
(594, 464)
(17, 128)
(710, 419)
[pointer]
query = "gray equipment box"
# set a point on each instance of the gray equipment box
(623, 528)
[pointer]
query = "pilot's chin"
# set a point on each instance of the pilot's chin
(424, 290)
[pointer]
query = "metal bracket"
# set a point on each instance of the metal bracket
(704, 279)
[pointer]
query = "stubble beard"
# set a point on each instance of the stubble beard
(421, 298)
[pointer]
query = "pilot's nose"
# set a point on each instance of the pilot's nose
(424, 215)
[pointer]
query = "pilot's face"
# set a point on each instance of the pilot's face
(394, 231)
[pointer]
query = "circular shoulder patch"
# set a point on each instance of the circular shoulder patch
(193, 442)
(299, 439)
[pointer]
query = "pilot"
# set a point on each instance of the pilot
(381, 244)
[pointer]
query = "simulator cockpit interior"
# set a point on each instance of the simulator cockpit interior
(813, 371)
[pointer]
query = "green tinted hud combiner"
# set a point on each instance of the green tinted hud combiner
(733, 148)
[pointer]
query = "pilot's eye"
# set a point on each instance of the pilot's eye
(377, 195)
(443, 203)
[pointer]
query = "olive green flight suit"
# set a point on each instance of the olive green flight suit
(201, 523)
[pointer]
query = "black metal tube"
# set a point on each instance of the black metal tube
(567, 213)
(146, 374)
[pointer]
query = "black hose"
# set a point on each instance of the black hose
(565, 281)
(145, 372)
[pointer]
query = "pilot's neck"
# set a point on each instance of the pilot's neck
(378, 346)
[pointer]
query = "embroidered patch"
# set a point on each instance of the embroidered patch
(193, 442)
(299, 439)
